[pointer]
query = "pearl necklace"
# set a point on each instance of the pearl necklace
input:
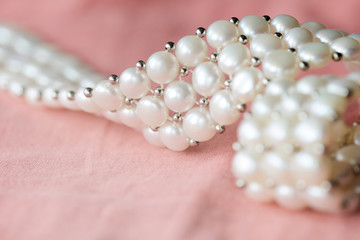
(158, 98)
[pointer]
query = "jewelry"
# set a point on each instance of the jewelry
(158, 97)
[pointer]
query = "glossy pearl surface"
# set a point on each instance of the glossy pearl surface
(134, 83)
(234, 57)
(191, 50)
(251, 25)
(263, 44)
(162, 67)
(173, 137)
(207, 78)
(107, 95)
(152, 136)
(84, 103)
(221, 33)
(152, 111)
(246, 84)
(316, 54)
(179, 96)
(280, 64)
(198, 124)
(223, 108)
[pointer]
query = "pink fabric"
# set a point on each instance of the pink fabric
(69, 175)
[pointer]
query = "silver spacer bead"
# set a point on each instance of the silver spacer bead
(336, 56)
(193, 143)
(55, 94)
(177, 117)
(169, 46)
(203, 101)
(303, 65)
(227, 83)
(243, 39)
(128, 101)
(293, 50)
(255, 61)
(219, 129)
(88, 92)
(140, 65)
(184, 71)
(70, 95)
(241, 107)
(113, 79)
(200, 32)
(277, 34)
(234, 20)
(159, 91)
(214, 57)
(240, 183)
(266, 81)
(267, 18)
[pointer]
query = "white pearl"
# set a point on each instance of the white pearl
(49, 99)
(220, 33)
(246, 84)
(233, 57)
(280, 64)
(347, 46)
(263, 105)
(312, 169)
(251, 25)
(223, 108)
(128, 116)
(282, 23)
(275, 166)
(249, 132)
(134, 83)
(179, 96)
(292, 104)
(152, 136)
(279, 87)
(287, 197)
(262, 44)
(207, 78)
(162, 67)
(152, 111)
(326, 105)
(355, 36)
(328, 35)
(33, 95)
(198, 124)
(313, 26)
(244, 166)
(173, 137)
(295, 37)
(276, 131)
(84, 103)
(191, 50)
(309, 84)
(258, 192)
(309, 131)
(65, 102)
(107, 95)
(316, 54)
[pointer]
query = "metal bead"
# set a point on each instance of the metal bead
(293, 50)
(203, 102)
(304, 65)
(184, 71)
(266, 81)
(159, 91)
(170, 46)
(193, 143)
(219, 129)
(227, 83)
(200, 32)
(70, 95)
(255, 61)
(140, 65)
(277, 34)
(241, 107)
(243, 39)
(214, 57)
(128, 101)
(55, 94)
(113, 79)
(88, 92)
(267, 18)
(177, 117)
(234, 20)
(336, 56)
(240, 183)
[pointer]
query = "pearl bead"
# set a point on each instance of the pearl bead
(280, 64)
(173, 137)
(263, 105)
(313, 26)
(316, 54)
(327, 35)
(179, 96)
(275, 166)
(85, 103)
(292, 104)
(279, 87)
(309, 84)
(245, 84)
(128, 116)
(233, 57)
(33, 96)
(198, 124)
(276, 131)
(152, 136)
(191, 50)
(249, 132)
(152, 111)
(162, 67)
(258, 192)
(309, 131)
(221, 33)
(50, 99)
(244, 166)
(134, 83)
(350, 153)
(107, 95)
(223, 108)
(207, 78)
(252, 25)
(282, 23)
(287, 197)
(347, 46)
(65, 102)
(295, 37)
(262, 44)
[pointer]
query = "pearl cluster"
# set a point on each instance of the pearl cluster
(297, 148)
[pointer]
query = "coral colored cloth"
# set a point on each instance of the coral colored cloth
(70, 175)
